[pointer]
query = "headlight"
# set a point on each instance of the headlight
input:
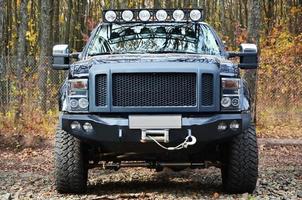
(78, 87)
(226, 102)
(78, 95)
(83, 103)
(230, 84)
(230, 94)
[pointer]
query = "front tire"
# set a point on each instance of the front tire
(240, 163)
(71, 169)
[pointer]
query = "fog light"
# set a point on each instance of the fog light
(234, 125)
(83, 103)
(88, 127)
(75, 125)
(222, 126)
(226, 102)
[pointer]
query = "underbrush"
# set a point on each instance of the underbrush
(275, 122)
(35, 123)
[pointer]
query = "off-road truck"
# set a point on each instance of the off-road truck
(156, 89)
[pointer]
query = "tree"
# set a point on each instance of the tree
(1, 27)
(253, 37)
(21, 55)
(2, 44)
(45, 50)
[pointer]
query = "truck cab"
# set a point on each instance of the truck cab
(155, 88)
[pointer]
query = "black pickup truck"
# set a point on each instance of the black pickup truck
(155, 88)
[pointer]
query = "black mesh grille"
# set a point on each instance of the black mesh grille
(207, 89)
(101, 90)
(154, 89)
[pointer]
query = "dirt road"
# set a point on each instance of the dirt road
(28, 174)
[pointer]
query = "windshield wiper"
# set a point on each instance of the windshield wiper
(104, 53)
(154, 52)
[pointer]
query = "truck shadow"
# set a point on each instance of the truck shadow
(186, 183)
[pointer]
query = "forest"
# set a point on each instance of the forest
(30, 28)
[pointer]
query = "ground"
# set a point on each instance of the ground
(28, 174)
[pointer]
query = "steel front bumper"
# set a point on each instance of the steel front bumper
(114, 130)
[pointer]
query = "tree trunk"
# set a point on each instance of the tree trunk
(67, 29)
(56, 22)
(21, 51)
(253, 37)
(157, 4)
(222, 17)
(2, 44)
(45, 54)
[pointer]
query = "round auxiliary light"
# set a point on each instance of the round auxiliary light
(75, 125)
(226, 102)
(83, 103)
(235, 102)
(178, 15)
(110, 16)
(73, 103)
(222, 126)
(195, 15)
(127, 15)
(234, 125)
(88, 127)
(144, 15)
(161, 15)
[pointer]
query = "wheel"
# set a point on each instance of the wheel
(71, 168)
(240, 163)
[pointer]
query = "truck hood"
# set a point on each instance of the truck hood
(81, 68)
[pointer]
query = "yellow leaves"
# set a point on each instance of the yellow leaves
(295, 10)
(31, 37)
(78, 27)
(62, 19)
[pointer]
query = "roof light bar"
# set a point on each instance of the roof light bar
(153, 15)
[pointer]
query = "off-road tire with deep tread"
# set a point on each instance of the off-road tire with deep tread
(240, 163)
(71, 169)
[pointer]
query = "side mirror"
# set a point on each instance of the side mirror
(61, 57)
(248, 56)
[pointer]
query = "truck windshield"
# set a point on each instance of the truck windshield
(153, 38)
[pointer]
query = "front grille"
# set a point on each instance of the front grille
(101, 90)
(207, 89)
(154, 90)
